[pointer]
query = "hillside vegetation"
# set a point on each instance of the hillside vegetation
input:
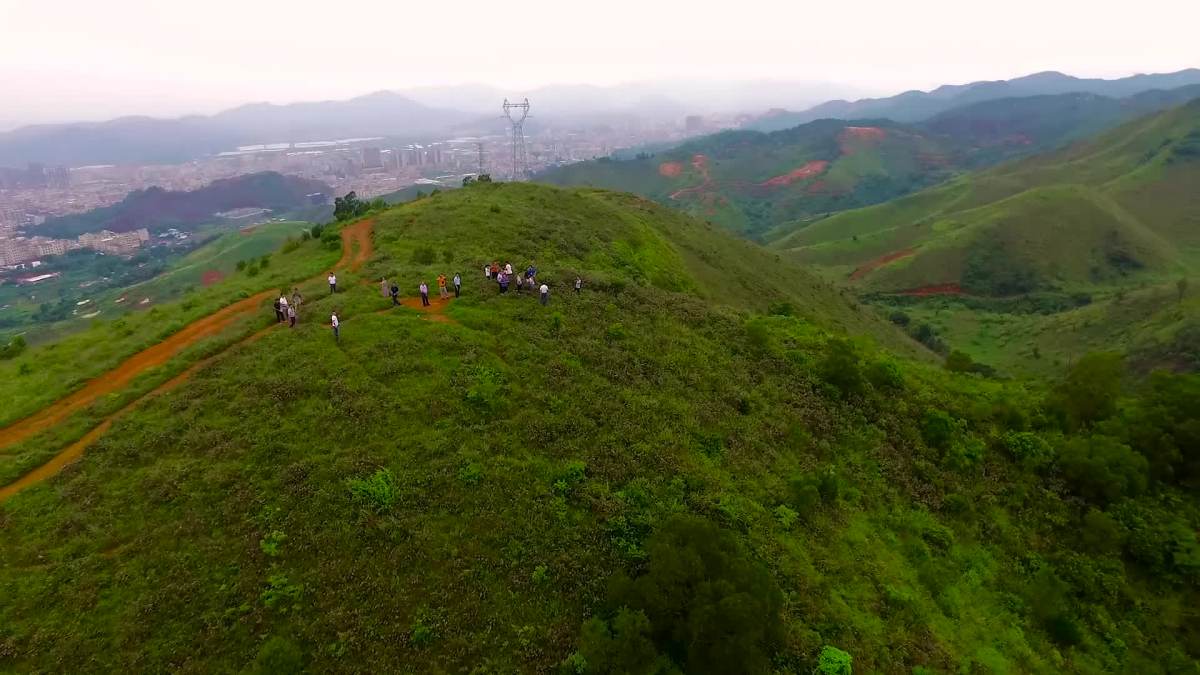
(688, 467)
(753, 183)
(1103, 211)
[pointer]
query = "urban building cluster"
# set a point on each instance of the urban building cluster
(16, 249)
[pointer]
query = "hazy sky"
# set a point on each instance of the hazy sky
(94, 59)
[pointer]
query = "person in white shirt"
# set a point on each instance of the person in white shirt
(291, 316)
(283, 304)
(545, 291)
(508, 269)
(457, 284)
(578, 284)
(332, 283)
(333, 319)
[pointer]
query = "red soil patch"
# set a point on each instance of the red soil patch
(700, 164)
(870, 266)
(357, 248)
(211, 277)
(670, 169)
(935, 289)
(853, 139)
(436, 311)
(807, 171)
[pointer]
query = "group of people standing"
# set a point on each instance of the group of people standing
(528, 279)
(443, 291)
(286, 311)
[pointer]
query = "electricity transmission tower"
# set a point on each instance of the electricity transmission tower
(516, 114)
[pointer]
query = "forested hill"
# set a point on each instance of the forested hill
(706, 461)
(159, 209)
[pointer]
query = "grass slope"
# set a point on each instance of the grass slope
(1099, 212)
(456, 495)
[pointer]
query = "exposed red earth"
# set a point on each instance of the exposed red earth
(872, 265)
(809, 170)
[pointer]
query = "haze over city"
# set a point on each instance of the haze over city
(93, 61)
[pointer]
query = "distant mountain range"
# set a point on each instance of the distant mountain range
(915, 106)
(751, 182)
(158, 209)
(143, 140)
(1121, 206)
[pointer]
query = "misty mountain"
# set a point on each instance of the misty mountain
(146, 140)
(653, 100)
(915, 106)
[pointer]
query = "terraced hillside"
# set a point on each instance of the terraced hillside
(706, 461)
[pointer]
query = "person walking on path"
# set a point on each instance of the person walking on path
(283, 304)
(297, 298)
(278, 312)
(578, 285)
(332, 283)
(383, 287)
(545, 291)
(424, 294)
(457, 284)
(442, 291)
(291, 316)
(333, 320)
(395, 291)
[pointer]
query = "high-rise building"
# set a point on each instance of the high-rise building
(372, 158)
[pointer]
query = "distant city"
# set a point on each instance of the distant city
(369, 166)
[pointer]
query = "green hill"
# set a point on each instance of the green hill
(1113, 209)
(750, 181)
(708, 461)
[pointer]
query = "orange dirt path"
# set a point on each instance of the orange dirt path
(357, 248)
(436, 311)
(872, 265)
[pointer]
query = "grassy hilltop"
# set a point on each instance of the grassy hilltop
(709, 461)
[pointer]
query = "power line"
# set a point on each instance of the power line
(517, 114)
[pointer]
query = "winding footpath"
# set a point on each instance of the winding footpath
(356, 249)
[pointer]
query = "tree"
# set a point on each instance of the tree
(1102, 469)
(1089, 392)
(842, 367)
(959, 362)
(711, 608)
(484, 178)
(345, 208)
(467, 181)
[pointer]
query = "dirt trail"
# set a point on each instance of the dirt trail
(436, 311)
(872, 265)
(357, 248)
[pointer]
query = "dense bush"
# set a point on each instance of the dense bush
(13, 349)
(842, 367)
(702, 603)
(1089, 392)
(1102, 469)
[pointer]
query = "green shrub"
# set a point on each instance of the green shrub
(378, 492)
(1102, 469)
(833, 661)
(702, 602)
(959, 362)
(424, 255)
(1089, 392)
(281, 594)
(885, 375)
(13, 349)
(1028, 448)
(939, 429)
(842, 367)
(277, 656)
(272, 542)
